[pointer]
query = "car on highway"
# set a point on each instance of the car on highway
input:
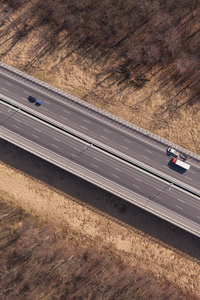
(32, 99)
(38, 102)
(171, 151)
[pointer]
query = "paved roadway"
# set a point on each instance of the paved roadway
(97, 162)
(98, 129)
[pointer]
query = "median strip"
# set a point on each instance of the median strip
(100, 146)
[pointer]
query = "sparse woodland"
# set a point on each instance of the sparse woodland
(130, 38)
(139, 49)
(38, 264)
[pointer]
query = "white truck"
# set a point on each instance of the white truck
(180, 163)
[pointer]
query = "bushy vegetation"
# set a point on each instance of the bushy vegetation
(141, 35)
(36, 263)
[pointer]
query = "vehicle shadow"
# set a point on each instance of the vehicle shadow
(175, 168)
(102, 202)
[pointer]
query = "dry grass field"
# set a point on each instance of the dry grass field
(141, 63)
(131, 254)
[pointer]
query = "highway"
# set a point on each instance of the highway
(83, 156)
(97, 129)
(94, 161)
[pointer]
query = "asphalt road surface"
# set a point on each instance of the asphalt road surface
(99, 130)
(97, 162)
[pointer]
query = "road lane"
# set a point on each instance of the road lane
(108, 167)
(98, 129)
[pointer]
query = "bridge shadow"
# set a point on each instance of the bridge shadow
(100, 201)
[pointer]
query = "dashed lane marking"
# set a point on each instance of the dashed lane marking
(138, 179)
(178, 207)
(127, 141)
(117, 169)
(67, 111)
(94, 165)
(124, 147)
(86, 121)
(106, 130)
(115, 175)
(148, 150)
(180, 200)
(64, 118)
(35, 136)
(138, 187)
(145, 157)
(54, 145)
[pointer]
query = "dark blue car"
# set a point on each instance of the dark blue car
(31, 99)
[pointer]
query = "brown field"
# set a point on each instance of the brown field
(110, 56)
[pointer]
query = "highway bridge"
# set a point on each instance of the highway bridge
(99, 148)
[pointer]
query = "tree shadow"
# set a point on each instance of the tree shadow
(103, 34)
(100, 201)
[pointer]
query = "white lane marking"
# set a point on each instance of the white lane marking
(84, 127)
(64, 118)
(104, 137)
(148, 150)
(56, 139)
(24, 98)
(157, 196)
(124, 146)
(106, 130)
(138, 179)
(5, 89)
(27, 92)
(188, 177)
(94, 165)
(127, 141)
(136, 186)
(115, 175)
(178, 207)
(35, 136)
(44, 108)
(8, 83)
(67, 111)
(18, 120)
(97, 159)
(165, 167)
(76, 149)
(180, 200)
(47, 102)
(86, 121)
(145, 157)
(74, 155)
(54, 145)
(16, 126)
(158, 189)
(192, 172)
(198, 217)
(117, 169)
(37, 129)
